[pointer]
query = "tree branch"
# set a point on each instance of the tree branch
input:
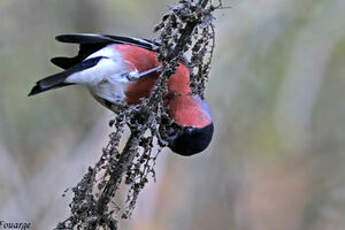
(187, 27)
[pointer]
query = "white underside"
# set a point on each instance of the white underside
(107, 79)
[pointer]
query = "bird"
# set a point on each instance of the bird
(119, 69)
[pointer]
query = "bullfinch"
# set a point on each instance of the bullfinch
(119, 70)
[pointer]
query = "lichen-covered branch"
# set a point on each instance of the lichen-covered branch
(186, 28)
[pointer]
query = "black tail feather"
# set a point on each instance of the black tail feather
(39, 89)
(58, 80)
(65, 62)
(51, 82)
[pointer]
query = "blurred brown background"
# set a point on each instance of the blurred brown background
(276, 91)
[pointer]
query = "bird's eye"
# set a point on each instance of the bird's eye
(189, 130)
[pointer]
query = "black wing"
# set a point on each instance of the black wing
(90, 43)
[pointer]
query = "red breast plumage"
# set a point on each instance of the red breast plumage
(184, 108)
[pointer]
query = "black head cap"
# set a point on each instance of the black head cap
(190, 140)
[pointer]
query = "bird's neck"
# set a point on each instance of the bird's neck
(189, 110)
